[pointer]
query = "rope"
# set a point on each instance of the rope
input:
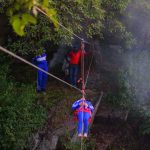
(88, 71)
(83, 85)
(82, 67)
(87, 76)
(34, 66)
(40, 10)
(82, 131)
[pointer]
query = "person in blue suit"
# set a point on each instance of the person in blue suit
(83, 110)
(40, 61)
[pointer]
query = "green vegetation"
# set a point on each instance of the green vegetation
(142, 117)
(66, 144)
(101, 18)
(145, 127)
(123, 96)
(24, 12)
(20, 115)
(22, 112)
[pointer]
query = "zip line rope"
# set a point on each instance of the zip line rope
(82, 68)
(34, 66)
(87, 76)
(83, 86)
(40, 10)
(84, 83)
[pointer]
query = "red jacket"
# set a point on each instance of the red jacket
(75, 57)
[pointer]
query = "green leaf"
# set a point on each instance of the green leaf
(30, 4)
(17, 26)
(52, 15)
(28, 18)
(17, 6)
(45, 3)
(9, 11)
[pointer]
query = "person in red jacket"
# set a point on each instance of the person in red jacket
(75, 56)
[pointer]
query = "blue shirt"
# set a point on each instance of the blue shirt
(40, 59)
(76, 104)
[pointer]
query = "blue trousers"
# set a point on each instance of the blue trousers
(73, 74)
(83, 118)
(42, 77)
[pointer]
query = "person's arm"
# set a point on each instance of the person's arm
(82, 46)
(44, 55)
(90, 106)
(85, 51)
(67, 58)
(76, 105)
(34, 61)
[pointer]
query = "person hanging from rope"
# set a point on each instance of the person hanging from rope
(83, 110)
(40, 61)
(75, 56)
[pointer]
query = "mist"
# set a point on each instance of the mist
(137, 60)
(58, 57)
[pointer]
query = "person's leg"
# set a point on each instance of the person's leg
(66, 78)
(39, 80)
(80, 123)
(75, 74)
(85, 120)
(44, 77)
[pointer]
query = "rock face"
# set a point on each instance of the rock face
(48, 140)
(49, 144)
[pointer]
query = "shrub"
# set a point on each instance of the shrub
(123, 96)
(19, 113)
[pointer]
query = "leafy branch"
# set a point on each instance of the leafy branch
(24, 12)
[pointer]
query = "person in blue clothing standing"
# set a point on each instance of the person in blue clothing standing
(40, 61)
(83, 110)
